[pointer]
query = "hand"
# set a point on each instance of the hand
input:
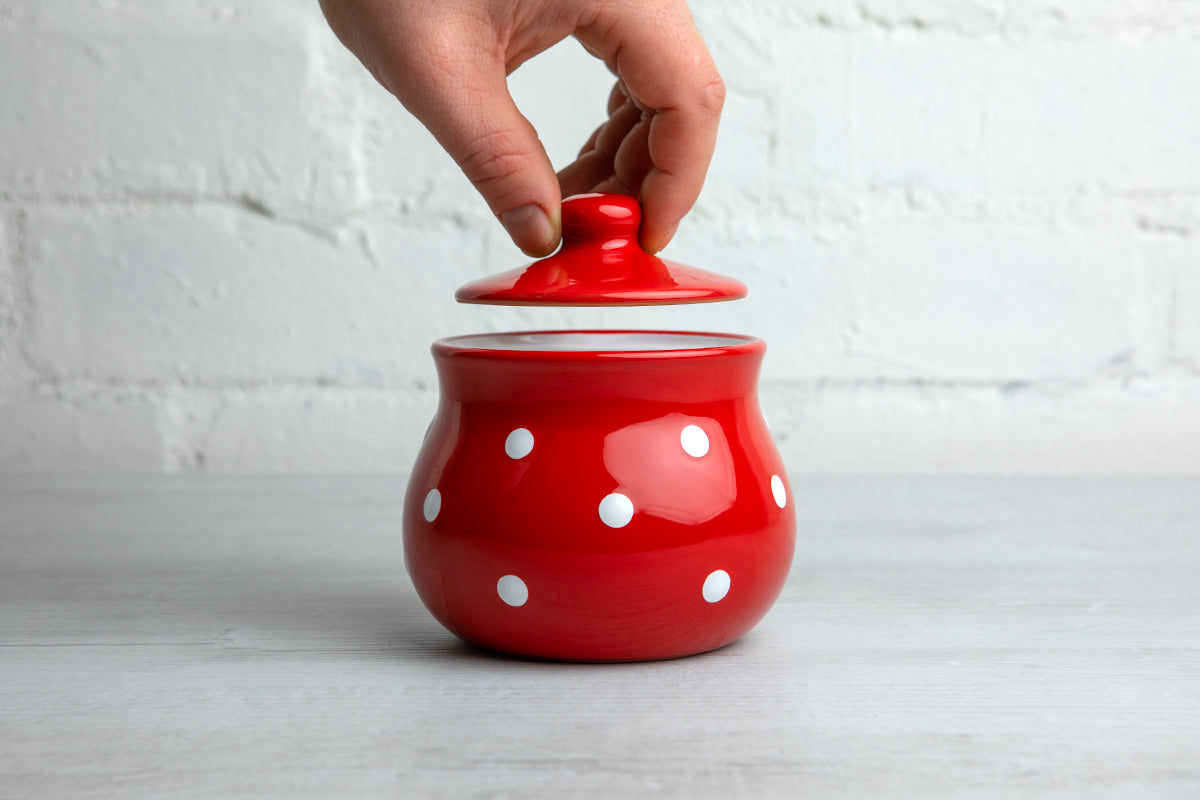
(448, 61)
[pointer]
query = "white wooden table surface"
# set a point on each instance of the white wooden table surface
(246, 637)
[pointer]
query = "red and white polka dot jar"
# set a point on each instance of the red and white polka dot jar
(599, 495)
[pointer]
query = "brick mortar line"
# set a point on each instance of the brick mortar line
(66, 388)
(11, 326)
(1137, 211)
(23, 278)
(250, 203)
(1177, 375)
(39, 369)
(1173, 315)
(376, 211)
(982, 209)
(1040, 27)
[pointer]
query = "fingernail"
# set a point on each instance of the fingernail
(530, 229)
(666, 240)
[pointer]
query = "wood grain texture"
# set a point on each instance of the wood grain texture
(257, 637)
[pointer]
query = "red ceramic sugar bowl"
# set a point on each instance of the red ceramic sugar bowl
(599, 495)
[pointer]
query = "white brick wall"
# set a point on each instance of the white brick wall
(211, 294)
(10, 308)
(971, 230)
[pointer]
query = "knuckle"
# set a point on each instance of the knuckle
(493, 162)
(711, 97)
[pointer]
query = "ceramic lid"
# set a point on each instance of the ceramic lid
(601, 263)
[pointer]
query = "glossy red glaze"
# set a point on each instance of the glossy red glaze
(602, 504)
(601, 263)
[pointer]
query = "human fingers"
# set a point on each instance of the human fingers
(594, 169)
(445, 67)
(658, 54)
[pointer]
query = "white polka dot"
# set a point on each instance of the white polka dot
(433, 505)
(778, 491)
(616, 510)
(716, 586)
(694, 441)
(512, 590)
(519, 443)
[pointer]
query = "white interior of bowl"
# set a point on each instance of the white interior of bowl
(596, 341)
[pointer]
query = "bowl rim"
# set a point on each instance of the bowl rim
(688, 344)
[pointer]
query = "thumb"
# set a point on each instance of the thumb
(472, 115)
(444, 63)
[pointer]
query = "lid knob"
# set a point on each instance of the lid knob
(601, 263)
(586, 216)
